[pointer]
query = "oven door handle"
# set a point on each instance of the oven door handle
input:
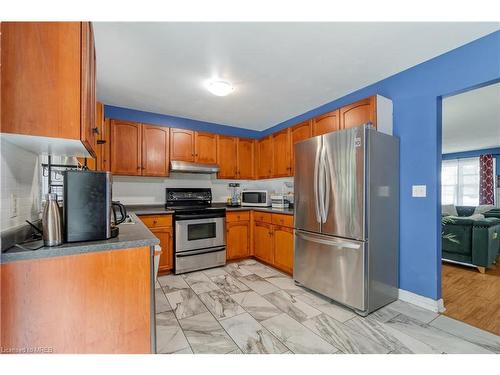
(201, 251)
(198, 216)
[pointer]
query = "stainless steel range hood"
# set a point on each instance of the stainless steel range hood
(189, 167)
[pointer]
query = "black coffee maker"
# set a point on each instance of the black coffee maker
(88, 211)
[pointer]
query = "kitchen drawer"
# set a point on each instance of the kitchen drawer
(263, 217)
(284, 220)
(237, 216)
(155, 221)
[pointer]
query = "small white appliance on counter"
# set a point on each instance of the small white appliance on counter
(256, 198)
(280, 201)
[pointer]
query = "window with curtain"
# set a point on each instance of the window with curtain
(460, 182)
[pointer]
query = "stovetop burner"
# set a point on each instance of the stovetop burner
(192, 200)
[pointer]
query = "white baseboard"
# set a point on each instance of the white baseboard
(421, 301)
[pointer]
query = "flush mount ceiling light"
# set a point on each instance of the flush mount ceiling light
(220, 88)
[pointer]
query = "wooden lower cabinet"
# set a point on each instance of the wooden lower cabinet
(263, 242)
(166, 244)
(237, 240)
(273, 244)
(283, 248)
(161, 227)
(83, 303)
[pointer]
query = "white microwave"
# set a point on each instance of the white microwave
(256, 198)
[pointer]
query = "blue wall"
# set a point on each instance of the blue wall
(475, 153)
(416, 94)
(120, 113)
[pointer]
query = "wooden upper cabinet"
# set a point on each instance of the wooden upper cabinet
(227, 156)
(246, 158)
(155, 155)
(205, 150)
(126, 148)
(298, 133)
(281, 154)
(358, 113)
(326, 123)
(265, 157)
(182, 144)
(48, 80)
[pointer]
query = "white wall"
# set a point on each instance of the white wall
(151, 190)
(19, 171)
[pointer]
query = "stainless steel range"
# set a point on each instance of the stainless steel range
(200, 236)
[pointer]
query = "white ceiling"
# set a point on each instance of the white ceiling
(279, 70)
(471, 121)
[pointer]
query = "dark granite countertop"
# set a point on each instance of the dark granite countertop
(286, 211)
(159, 209)
(148, 209)
(130, 236)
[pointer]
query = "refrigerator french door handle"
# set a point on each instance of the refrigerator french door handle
(321, 182)
(328, 241)
(316, 192)
(326, 185)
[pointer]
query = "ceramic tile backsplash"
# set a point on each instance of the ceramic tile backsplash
(20, 175)
(151, 190)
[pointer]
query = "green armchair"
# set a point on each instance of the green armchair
(470, 241)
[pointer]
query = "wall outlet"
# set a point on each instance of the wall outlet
(419, 191)
(13, 205)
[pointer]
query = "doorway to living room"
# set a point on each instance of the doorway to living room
(470, 207)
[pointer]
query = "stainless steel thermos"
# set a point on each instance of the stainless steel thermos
(51, 221)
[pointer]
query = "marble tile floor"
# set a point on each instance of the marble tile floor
(248, 307)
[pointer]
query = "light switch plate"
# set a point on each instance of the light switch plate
(419, 191)
(13, 205)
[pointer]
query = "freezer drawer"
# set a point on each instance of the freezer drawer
(331, 266)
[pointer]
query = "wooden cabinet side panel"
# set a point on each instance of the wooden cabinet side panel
(41, 79)
(106, 146)
(88, 89)
(87, 303)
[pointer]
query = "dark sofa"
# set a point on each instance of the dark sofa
(471, 241)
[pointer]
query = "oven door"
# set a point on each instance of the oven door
(193, 234)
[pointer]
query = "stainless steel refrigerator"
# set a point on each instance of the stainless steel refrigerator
(347, 217)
